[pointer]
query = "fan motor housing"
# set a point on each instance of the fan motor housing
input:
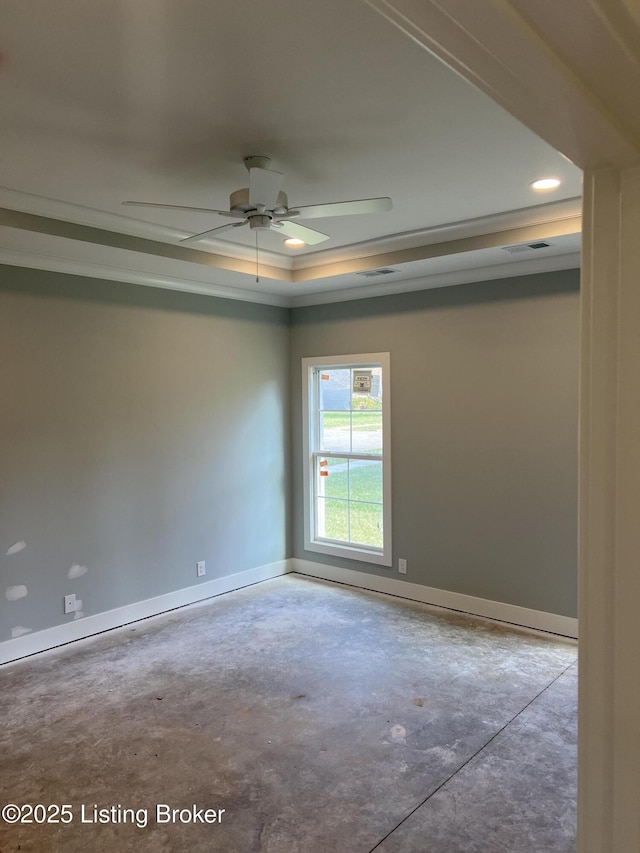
(239, 202)
(259, 220)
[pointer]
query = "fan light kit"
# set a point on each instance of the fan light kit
(545, 184)
(263, 206)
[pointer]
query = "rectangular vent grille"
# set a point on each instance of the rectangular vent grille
(373, 273)
(525, 247)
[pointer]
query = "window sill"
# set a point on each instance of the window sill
(350, 552)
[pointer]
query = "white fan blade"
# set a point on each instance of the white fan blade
(309, 235)
(183, 207)
(342, 208)
(204, 234)
(264, 186)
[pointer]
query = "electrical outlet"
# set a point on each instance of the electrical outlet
(70, 603)
(402, 567)
(201, 568)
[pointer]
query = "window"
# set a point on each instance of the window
(347, 463)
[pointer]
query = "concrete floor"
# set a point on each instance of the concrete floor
(319, 717)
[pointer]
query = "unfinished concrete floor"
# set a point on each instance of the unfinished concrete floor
(319, 717)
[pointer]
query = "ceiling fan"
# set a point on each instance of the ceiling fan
(262, 205)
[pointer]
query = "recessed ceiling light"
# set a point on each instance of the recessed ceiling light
(294, 242)
(545, 184)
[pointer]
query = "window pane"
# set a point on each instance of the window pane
(331, 478)
(333, 519)
(335, 431)
(334, 389)
(365, 481)
(366, 432)
(366, 524)
(345, 483)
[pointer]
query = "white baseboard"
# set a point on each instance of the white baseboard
(539, 620)
(49, 638)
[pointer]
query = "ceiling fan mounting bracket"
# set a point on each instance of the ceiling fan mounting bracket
(256, 162)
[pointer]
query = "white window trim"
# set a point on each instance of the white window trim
(382, 557)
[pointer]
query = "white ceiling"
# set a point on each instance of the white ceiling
(160, 100)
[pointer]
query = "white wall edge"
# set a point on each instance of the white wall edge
(49, 638)
(538, 620)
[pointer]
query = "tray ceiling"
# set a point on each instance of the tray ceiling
(161, 101)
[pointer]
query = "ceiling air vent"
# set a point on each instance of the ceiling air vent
(524, 247)
(372, 273)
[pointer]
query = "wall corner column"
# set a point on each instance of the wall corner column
(609, 536)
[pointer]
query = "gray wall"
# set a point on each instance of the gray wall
(484, 431)
(141, 430)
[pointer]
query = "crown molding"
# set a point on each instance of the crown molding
(80, 214)
(568, 211)
(116, 240)
(111, 272)
(31, 240)
(512, 236)
(491, 272)
(39, 213)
